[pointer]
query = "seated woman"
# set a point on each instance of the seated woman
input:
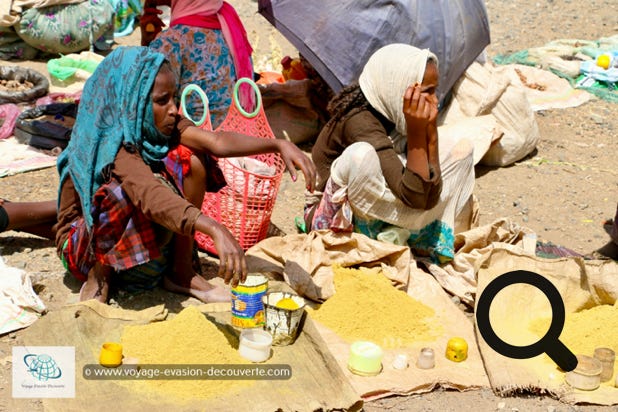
(381, 165)
(120, 217)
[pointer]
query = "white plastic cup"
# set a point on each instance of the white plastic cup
(426, 359)
(400, 362)
(255, 345)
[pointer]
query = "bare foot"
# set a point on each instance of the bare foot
(199, 288)
(97, 284)
(610, 250)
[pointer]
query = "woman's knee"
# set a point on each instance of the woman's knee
(463, 149)
(357, 160)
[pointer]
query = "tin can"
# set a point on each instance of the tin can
(283, 322)
(247, 306)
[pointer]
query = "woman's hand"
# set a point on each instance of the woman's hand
(232, 263)
(419, 108)
(294, 158)
(421, 111)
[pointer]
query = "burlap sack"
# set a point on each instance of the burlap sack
(305, 261)
(581, 284)
(87, 325)
(289, 110)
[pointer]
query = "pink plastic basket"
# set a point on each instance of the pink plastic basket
(245, 205)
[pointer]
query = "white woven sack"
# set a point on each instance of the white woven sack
(488, 90)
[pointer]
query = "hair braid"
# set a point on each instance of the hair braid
(350, 97)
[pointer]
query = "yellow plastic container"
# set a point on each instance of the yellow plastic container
(111, 355)
(456, 349)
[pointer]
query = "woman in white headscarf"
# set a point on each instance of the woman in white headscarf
(382, 170)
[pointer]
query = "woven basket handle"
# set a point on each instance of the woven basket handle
(258, 95)
(183, 101)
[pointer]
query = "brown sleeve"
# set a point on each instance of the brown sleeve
(156, 200)
(406, 185)
(69, 210)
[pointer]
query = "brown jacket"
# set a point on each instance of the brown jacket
(362, 125)
(157, 201)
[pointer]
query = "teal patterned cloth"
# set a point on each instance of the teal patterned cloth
(435, 240)
(126, 13)
(115, 109)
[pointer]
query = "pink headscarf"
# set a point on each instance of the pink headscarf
(219, 14)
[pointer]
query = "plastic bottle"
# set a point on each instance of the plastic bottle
(292, 69)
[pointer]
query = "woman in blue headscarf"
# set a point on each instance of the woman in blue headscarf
(120, 217)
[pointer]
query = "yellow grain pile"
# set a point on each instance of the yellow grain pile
(287, 303)
(187, 339)
(366, 306)
(586, 330)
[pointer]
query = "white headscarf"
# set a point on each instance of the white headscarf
(386, 76)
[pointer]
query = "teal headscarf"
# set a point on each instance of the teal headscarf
(115, 108)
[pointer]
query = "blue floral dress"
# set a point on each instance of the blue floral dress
(202, 57)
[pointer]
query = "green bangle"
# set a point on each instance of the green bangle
(183, 100)
(258, 102)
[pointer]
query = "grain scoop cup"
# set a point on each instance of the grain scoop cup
(284, 312)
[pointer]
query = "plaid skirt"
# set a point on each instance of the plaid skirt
(121, 237)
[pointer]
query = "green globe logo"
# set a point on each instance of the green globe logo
(42, 367)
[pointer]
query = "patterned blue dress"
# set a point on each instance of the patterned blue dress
(202, 57)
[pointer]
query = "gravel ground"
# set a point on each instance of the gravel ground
(564, 191)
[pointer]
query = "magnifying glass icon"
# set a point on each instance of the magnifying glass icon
(550, 344)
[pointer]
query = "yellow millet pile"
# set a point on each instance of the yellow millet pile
(366, 306)
(187, 339)
(586, 330)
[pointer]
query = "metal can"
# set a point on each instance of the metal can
(247, 306)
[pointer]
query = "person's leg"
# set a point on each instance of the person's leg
(97, 284)
(184, 279)
(37, 218)
(358, 171)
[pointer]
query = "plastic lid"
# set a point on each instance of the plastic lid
(286, 62)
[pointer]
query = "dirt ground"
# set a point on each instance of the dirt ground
(564, 191)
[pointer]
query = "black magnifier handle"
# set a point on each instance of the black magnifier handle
(560, 354)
